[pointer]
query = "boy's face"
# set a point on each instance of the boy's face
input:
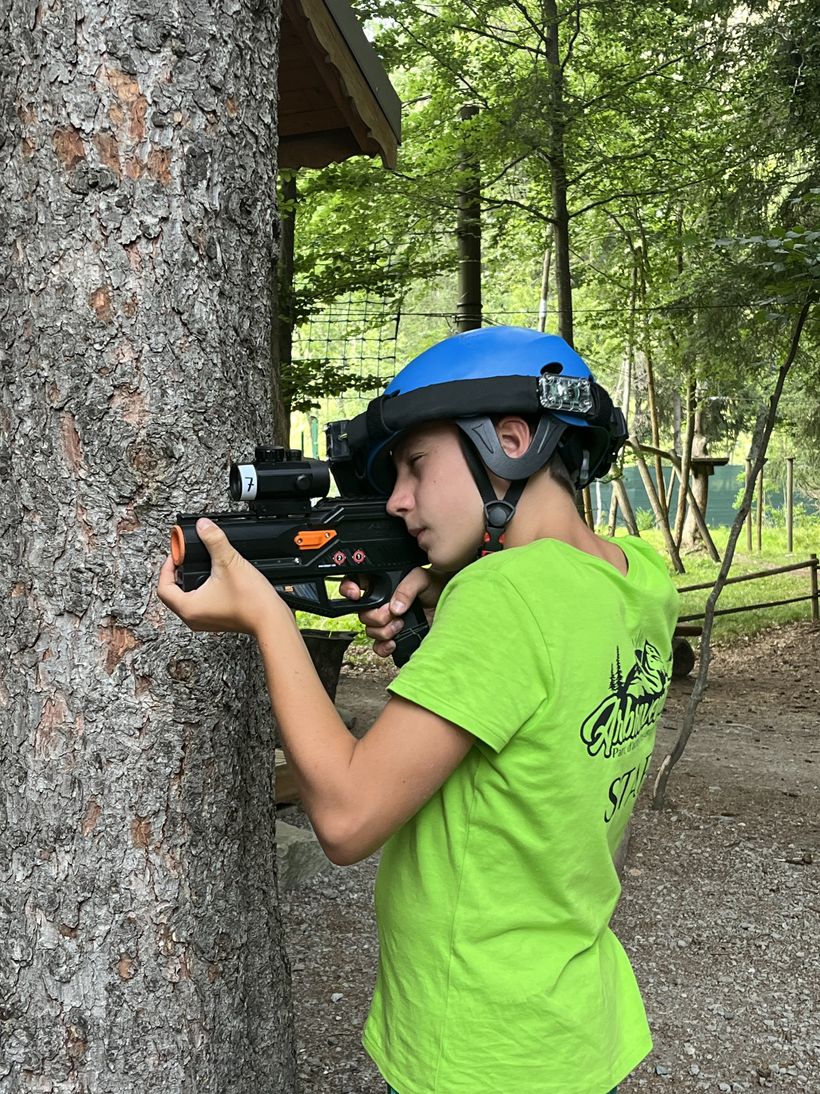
(436, 496)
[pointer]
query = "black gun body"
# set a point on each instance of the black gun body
(299, 552)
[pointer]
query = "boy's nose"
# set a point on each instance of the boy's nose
(398, 503)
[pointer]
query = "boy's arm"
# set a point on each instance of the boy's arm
(356, 793)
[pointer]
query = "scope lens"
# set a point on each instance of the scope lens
(244, 482)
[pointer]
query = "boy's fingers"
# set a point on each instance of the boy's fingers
(410, 587)
(376, 617)
(350, 589)
(386, 632)
(168, 590)
(354, 588)
(218, 544)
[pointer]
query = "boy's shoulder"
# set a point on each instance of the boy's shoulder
(553, 564)
(540, 565)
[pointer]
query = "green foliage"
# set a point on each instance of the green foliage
(691, 138)
(644, 519)
(309, 621)
(807, 522)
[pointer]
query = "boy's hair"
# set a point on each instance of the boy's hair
(556, 467)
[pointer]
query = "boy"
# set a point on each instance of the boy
(502, 772)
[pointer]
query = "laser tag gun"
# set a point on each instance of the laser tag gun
(298, 546)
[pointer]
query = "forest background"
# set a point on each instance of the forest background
(649, 189)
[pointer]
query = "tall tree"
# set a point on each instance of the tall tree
(139, 923)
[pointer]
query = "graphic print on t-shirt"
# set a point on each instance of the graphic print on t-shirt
(633, 704)
(630, 708)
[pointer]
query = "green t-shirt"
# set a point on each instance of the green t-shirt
(498, 973)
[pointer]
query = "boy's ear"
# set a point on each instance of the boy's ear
(514, 435)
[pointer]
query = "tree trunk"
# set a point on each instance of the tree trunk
(468, 235)
(543, 303)
(677, 414)
(658, 513)
(558, 170)
(651, 396)
(686, 459)
(656, 432)
(626, 506)
(691, 538)
(139, 916)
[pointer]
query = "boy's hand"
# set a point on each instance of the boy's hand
(384, 623)
(236, 597)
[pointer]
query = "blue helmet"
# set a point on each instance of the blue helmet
(496, 371)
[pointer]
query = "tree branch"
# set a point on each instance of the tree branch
(762, 433)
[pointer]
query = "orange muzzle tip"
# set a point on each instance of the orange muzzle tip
(177, 545)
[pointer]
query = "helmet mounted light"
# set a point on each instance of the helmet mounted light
(569, 394)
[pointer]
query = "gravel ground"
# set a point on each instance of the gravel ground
(721, 902)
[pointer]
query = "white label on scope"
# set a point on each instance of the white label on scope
(247, 477)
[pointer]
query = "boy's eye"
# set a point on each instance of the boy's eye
(415, 458)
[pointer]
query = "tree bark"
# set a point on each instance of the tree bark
(626, 506)
(657, 510)
(543, 303)
(558, 171)
(691, 499)
(139, 921)
(468, 235)
(651, 396)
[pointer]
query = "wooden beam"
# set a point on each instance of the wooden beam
(337, 68)
(317, 149)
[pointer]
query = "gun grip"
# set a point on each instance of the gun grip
(410, 636)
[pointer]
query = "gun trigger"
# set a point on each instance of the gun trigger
(312, 540)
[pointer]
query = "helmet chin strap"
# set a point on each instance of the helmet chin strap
(498, 512)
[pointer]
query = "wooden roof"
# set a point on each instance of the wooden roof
(335, 99)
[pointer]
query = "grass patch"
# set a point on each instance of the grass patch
(307, 620)
(700, 568)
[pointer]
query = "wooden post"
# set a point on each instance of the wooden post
(749, 516)
(613, 511)
(789, 504)
(760, 512)
(588, 514)
(815, 603)
(658, 512)
(626, 507)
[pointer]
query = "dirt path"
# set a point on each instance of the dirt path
(720, 911)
